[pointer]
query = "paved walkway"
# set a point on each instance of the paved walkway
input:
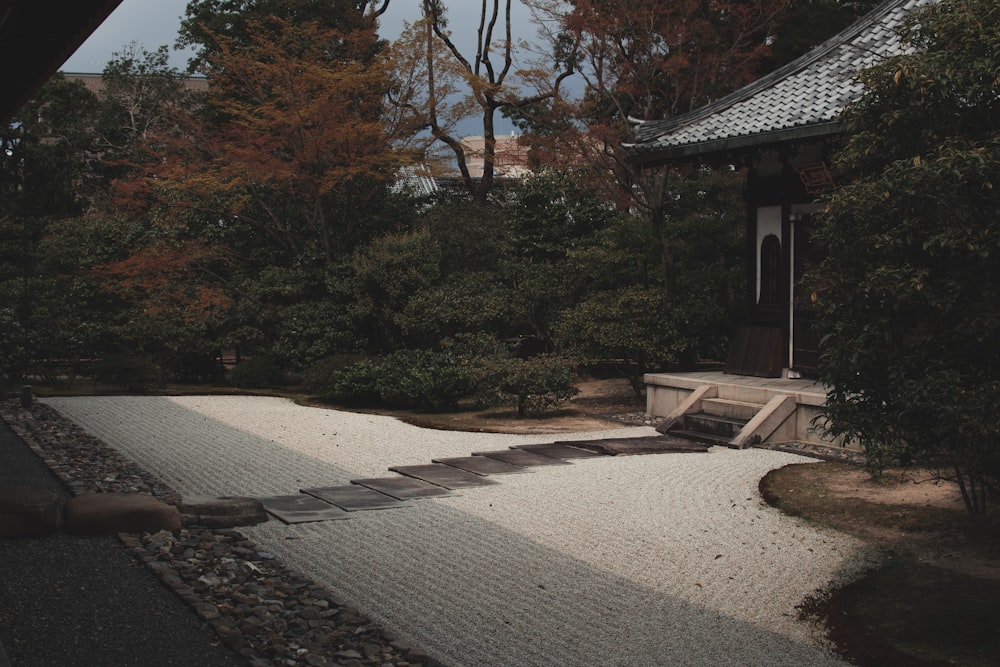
(645, 560)
(84, 601)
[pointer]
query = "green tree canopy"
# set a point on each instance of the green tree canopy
(909, 294)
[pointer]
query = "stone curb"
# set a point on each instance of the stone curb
(26, 511)
(113, 513)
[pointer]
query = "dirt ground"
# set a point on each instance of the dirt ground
(584, 412)
(935, 600)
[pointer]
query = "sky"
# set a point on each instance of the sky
(152, 23)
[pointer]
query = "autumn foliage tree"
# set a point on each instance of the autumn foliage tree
(299, 149)
(647, 59)
(242, 21)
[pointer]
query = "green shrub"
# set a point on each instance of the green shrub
(469, 365)
(421, 378)
(532, 386)
(256, 373)
(320, 378)
(406, 378)
(130, 372)
(195, 368)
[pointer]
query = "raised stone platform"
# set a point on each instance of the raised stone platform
(669, 395)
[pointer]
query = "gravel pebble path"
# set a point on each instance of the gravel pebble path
(665, 559)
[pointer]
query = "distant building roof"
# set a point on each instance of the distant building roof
(95, 82)
(417, 178)
(800, 100)
(510, 156)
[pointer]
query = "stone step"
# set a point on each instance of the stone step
(698, 436)
(726, 407)
(713, 425)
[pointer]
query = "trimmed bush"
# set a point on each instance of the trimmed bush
(256, 373)
(425, 379)
(132, 373)
(533, 386)
(406, 378)
(470, 366)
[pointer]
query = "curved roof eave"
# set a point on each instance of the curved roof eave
(729, 145)
(821, 82)
(36, 38)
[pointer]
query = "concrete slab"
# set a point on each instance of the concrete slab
(353, 498)
(301, 508)
(481, 465)
(522, 457)
(559, 451)
(403, 488)
(442, 475)
(657, 444)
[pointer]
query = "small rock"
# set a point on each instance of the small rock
(348, 654)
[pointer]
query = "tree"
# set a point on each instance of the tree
(49, 151)
(46, 176)
(807, 23)
(256, 195)
(299, 151)
(909, 294)
(245, 21)
(138, 100)
(626, 318)
(490, 78)
(645, 60)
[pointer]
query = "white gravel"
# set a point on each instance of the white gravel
(669, 559)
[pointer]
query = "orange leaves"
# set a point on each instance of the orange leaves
(663, 57)
(299, 126)
(177, 280)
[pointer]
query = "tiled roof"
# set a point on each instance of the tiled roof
(803, 98)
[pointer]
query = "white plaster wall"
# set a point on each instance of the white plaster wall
(768, 222)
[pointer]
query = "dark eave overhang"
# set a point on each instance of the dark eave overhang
(705, 150)
(36, 38)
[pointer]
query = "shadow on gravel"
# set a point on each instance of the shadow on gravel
(936, 598)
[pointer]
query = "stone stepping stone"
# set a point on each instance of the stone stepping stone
(481, 465)
(521, 457)
(403, 488)
(302, 509)
(559, 451)
(442, 475)
(653, 444)
(354, 498)
(221, 512)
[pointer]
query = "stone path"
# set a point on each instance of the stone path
(444, 475)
